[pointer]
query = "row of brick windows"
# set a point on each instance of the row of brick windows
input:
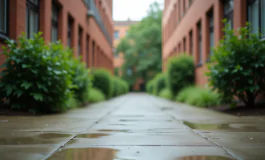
(32, 27)
(255, 15)
(178, 12)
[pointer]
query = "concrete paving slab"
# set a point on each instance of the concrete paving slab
(141, 153)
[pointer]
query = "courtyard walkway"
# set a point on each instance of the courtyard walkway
(133, 127)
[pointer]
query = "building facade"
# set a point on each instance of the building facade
(84, 25)
(120, 30)
(194, 27)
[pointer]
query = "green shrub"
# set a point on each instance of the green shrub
(198, 96)
(159, 83)
(119, 86)
(36, 77)
(81, 78)
(150, 86)
(238, 65)
(166, 93)
(102, 81)
(95, 95)
(180, 73)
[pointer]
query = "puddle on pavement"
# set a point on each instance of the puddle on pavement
(92, 135)
(115, 130)
(27, 138)
(204, 158)
(113, 154)
(232, 127)
(86, 154)
(145, 120)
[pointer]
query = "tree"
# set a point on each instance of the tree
(237, 67)
(142, 47)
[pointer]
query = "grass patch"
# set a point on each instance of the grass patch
(198, 96)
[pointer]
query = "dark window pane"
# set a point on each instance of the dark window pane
(32, 19)
(263, 18)
(3, 16)
(253, 16)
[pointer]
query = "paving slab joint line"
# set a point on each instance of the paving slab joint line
(225, 149)
(65, 142)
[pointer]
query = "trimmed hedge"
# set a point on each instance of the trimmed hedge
(198, 96)
(95, 95)
(119, 86)
(159, 83)
(102, 81)
(180, 73)
(166, 93)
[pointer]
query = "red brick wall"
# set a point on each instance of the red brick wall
(78, 11)
(175, 30)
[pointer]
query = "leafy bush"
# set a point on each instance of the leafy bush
(198, 96)
(159, 83)
(166, 93)
(237, 67)
(102, 81)
(95, 95)
(180, 73)
(119, 87)
(81, 80)
(150, 86)
(36, 77)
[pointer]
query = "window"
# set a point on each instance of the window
(256, 16)
(54, 31)
(191, 43)
(179, 14)
(87, 51)
(228, 12)
(200, 43)
(70, 30)
(93, 54)
(184, 45)
(3, 17)
(80, 32)
(116, 34)
(32, 18)
(211, 32)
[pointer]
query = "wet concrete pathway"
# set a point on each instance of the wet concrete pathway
(133, 127)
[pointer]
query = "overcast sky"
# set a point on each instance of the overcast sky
(133, 9)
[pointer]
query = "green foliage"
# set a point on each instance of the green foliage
(150, 86)
(142, 47)
(102, 81)
(237, 67)
(180, 73)
(36, 77)
(198, 96)
(159, 83)
(95, 95)
(119, 86)
(81, 79)
(166, 93)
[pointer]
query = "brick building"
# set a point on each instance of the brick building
(120, 31)
(84, 25)
(195, 26)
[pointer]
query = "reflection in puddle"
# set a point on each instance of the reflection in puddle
(85, 154)
(115, 130)
(92, 135)
(20, 139)
(204, 158)
(241, 127)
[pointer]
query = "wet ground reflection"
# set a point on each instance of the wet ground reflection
(113, 154)
(232, 127)
(204, 158)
